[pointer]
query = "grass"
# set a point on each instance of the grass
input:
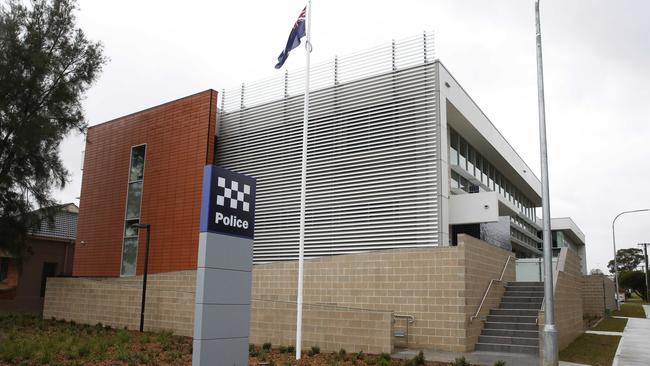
(591, 349)
(611, 325)
(630, 311)
(635, 300)
(29, 340)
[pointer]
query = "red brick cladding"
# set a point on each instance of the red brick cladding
(180, 141)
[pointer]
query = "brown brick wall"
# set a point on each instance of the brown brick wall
(348, 299)
(597, 295)
(180, 139)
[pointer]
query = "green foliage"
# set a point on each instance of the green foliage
(633, 281)
(419, 359)
(165, 338)
(360, 355)
(461, 361)
(46, 66)
(253, 350)
(267, 346)
(500, 363)
(313, 351)
(342, 353)
(291, 349)
(627, 259)
(282, 349)
(385, 356)
(382, 362)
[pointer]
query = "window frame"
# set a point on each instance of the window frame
(126, 206)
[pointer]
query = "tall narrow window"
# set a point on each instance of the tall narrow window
(453, 148)
(132, 214)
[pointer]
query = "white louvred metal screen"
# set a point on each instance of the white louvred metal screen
(371, 173)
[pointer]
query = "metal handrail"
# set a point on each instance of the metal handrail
(487, 290)
(410, 319)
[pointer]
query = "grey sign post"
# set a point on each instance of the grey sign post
(223, 275)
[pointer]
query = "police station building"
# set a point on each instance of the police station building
(415, 204)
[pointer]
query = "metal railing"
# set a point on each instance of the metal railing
(487, 290)
(410, 319)
(399, 54)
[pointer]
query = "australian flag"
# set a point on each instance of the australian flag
(298, 31)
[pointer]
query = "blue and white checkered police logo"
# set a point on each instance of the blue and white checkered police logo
(233, 195)
(228, 203)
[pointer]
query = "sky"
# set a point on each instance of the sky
(596, 70)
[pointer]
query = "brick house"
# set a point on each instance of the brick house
(49, 252)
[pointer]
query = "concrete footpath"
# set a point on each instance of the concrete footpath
(480, 357)
(634, 350)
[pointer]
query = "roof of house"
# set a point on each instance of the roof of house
(63, 226)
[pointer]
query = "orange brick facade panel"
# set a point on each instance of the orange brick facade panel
(179, 138)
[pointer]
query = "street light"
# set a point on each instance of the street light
(618, 303)
(146, 267)
(645, 257)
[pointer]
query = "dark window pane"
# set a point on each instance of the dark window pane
(129, 256)
(453, 148)
(133, 200)
(137, 163)
(462, 159)
(49, 270)
(130, 230)
(470, 160)
(4, 268)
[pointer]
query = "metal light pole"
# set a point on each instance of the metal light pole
(618, 303)
(550, 351)
(645, 256)
(146, 268)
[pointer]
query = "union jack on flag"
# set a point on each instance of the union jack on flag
(297, 32)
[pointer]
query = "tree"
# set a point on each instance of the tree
(596, 271)
(627, 259)
(634, 281)
(46, 66)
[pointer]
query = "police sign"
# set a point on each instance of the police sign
(230, 206)
(224, 269)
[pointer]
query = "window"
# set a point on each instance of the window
(462, 158)
(49, 270)
(132, 214)
(4, 268)
(471, 160)
(453, 148)
(454, 180)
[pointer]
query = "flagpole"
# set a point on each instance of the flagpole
(549, 334)
(303, 185)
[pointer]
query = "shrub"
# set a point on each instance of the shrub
(500, 363)
(382, 362)
(360, 355)
(291, 349)
(461, 361)
(385, 356)
(253, 351)
(342, 353)
(314, 351)
(608, 313)
(165, 339)
(282, 349)
(419, 359)
(267, 346)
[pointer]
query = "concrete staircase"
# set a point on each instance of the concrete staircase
(513, 326)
